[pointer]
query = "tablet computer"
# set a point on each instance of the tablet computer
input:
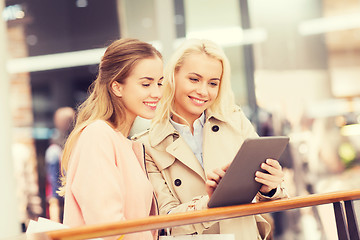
(238, 186)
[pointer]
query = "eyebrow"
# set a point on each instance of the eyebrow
(150, 78)
(202, 76)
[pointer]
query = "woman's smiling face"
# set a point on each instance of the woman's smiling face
(197, 84)
(141, 91)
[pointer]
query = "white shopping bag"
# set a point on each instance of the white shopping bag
(200, 237)
(44, 225)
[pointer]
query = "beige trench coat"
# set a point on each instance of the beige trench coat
(179, 179)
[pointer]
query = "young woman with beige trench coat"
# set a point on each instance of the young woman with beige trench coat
(197, 130)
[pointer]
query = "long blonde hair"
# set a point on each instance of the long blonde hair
(116, 65)
(223, 104)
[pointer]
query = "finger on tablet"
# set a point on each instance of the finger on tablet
(213, 177)
(219, 172)
(211, 183)
(266, 176)
(225, 167)
(265, 182)
(274, 163)
(271, 170)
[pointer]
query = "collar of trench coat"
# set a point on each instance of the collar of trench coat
(162, 131)
(177, 146)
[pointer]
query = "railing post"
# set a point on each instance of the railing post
(351, 220)
(341, 226)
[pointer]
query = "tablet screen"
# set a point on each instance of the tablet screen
(238, 186)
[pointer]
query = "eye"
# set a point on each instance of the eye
(146, 84)
(160, 84)
(214, 84)
(194, 79)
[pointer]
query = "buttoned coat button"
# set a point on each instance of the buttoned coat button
(215, 128)
(177, 182)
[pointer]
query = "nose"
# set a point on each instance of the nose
(156, 92)
(202, 89)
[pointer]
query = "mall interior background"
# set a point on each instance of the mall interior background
(295, 71)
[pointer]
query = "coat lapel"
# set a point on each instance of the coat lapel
(182, 152)
(178, 148)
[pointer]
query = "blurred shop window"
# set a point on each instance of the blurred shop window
(65, 26)
(138, 20)
(307, 75)
(221, 23)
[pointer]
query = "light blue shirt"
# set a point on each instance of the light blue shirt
(195, 141)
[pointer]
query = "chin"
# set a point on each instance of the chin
(198, 111)
(148, 116)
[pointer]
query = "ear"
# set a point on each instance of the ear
(117, 88)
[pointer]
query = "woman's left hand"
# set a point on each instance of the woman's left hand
(273, 178)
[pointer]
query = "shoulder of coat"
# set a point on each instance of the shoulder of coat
(137, 136)
(237, 115)
(237, 108)
(236, 112)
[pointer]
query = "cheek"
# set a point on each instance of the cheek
(214, 93)
(182, 85)
(133, 96)
(138, 92)
(180, 91)
(177, 96)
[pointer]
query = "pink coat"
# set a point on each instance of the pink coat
(106, 180)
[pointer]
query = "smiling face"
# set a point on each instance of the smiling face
(197, 84)
(141, 91)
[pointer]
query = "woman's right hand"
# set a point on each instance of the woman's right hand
(213, 178)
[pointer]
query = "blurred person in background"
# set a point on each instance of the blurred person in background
(196, 132)
(63, 121)
(105, 173)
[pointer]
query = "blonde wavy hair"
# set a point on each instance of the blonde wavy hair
(118, 61)
(223, 104)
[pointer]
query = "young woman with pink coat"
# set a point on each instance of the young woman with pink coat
(105, 179)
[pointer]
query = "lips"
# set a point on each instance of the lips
(198, 101)
(151, 105)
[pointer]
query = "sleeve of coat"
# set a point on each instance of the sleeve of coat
(280, 193)
(98, 185)
(169, 204)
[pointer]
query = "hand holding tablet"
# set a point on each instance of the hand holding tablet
(237, 185)
(272, 176)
